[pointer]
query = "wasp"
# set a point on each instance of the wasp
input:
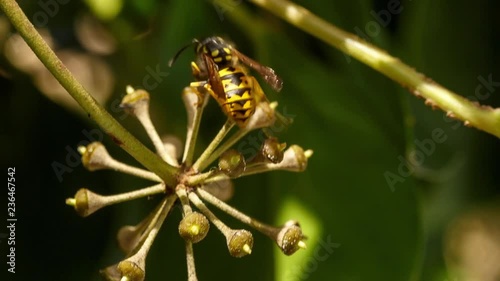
(219, 69)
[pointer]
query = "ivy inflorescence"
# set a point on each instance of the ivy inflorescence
(196, 183)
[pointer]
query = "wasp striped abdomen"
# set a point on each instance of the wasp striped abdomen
(239, 102)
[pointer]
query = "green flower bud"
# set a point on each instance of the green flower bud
(134, 100)
(86, 202)
(94, 156)
(272, 150)
(194, 227)
(240, 243)
(290, 238)
(232, 163)
(131, 270)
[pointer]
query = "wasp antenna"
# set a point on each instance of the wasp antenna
(172, 60)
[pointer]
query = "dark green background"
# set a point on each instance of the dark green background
(357, 122)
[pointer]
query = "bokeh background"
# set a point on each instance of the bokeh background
(439, 221)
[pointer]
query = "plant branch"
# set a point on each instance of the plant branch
(119, 134)
(206, 157)
(482, 117)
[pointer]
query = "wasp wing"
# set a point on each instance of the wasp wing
(213, 77)
(266, 72)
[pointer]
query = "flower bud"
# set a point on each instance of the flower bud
(94, 156)
(86, 202)
(272, 150)
(264, 116)
(240, 243)
(290, 238)
(135, 100)
(232, 163)
(132, 270)
(194, 227)
(295, 159)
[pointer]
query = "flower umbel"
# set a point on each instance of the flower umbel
(196, 185)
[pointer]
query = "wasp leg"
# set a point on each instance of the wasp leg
(200, 92)
(260, 96)
(257, 90)
(195, 69)
(201, 88)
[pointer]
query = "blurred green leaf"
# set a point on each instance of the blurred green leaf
(453, 48)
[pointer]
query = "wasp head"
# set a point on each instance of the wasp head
(217, 49)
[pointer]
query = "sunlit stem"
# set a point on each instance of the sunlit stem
(190, 262)
(225, 146)
(146, 122)
(155, 226)
(164, 210)
(200, 178)
(211, 217)
(206, 156)
(266, 229)
(131, 236)
(193, 126)
(260, 168)
(250, 170)
(131, 170)
(123, 197)
(481, 117)
(183, 197)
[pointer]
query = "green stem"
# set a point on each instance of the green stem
(481, 117)
(190, 262)
(262, 227)
(136, 194)
(200, 178)
(194, 122)
(205, 158)
(225, 146)
(119, 134)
